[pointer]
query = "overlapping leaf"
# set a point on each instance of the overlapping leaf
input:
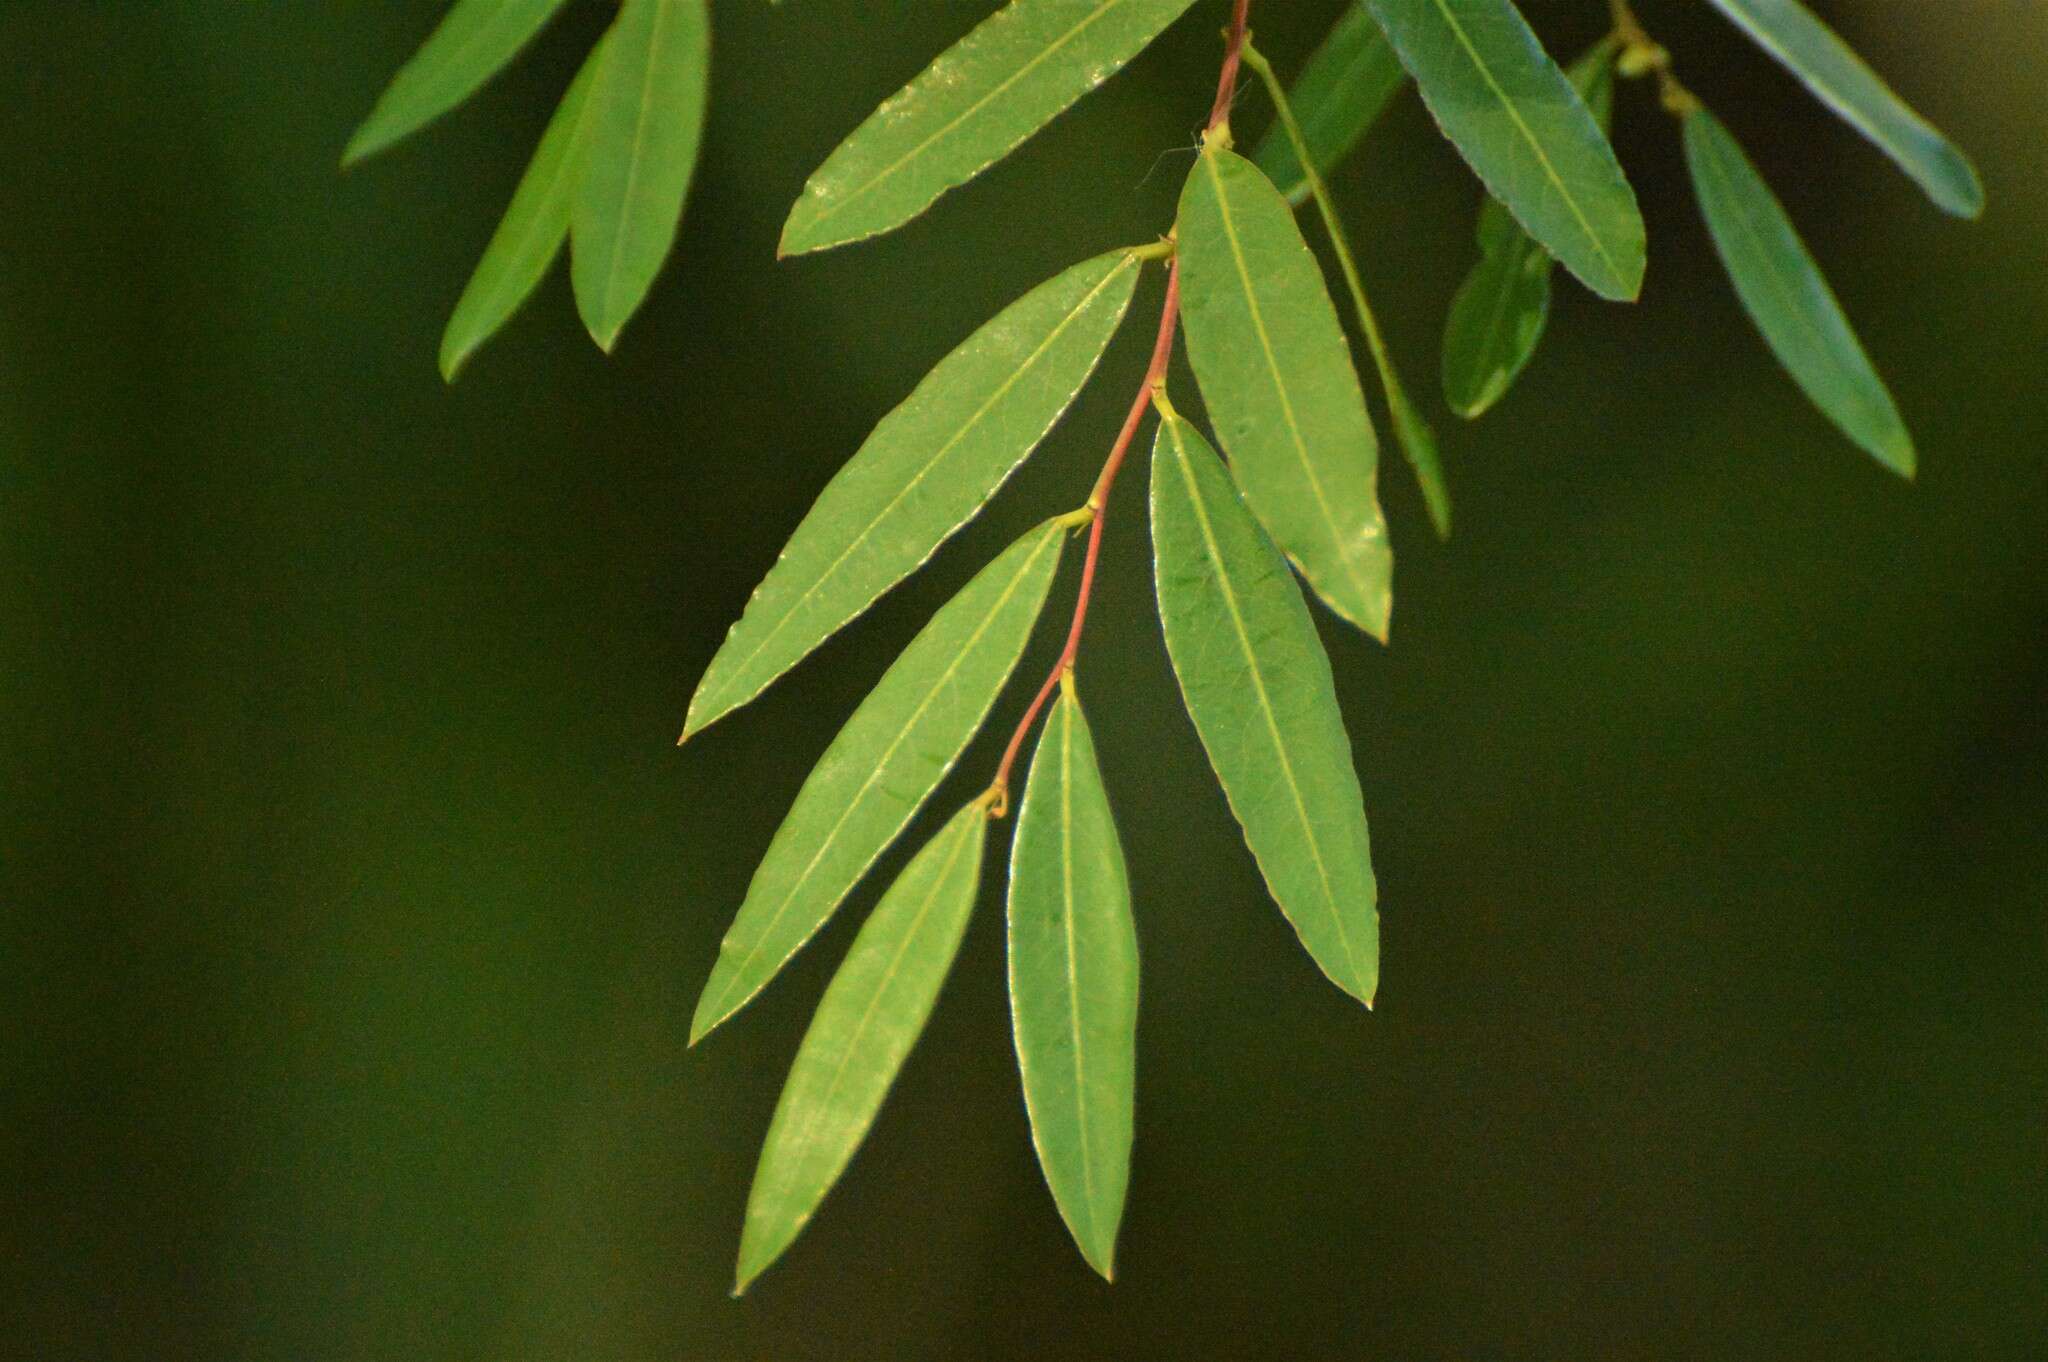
(1074, 982)
(1500, 311)
(972, 106)
(646, 124)
(1840, 79)
(881, 767)
(1338, 97)
(1523, 129)
(1258, 686)
(1276, 373)
(531, 232)
(474, 40)
(1785, 295)
(929, 466)
(872, 1013)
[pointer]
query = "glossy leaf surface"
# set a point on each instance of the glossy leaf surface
(471, 44)
(1074, 982)
(1258, 685)
(646, 124)
(971, 107)
(531, 232)
(1830, 68)
(1500, 311)
(1785, 295)
(1338, 97)
(929, 466)
(1526, 133)
(872, 1013)
(881, 767)
(1276, 373)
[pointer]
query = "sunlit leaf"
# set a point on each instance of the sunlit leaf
(929, 466)
(1074, 982)
(1786, 296)
(532, 231)
(872, 1013)
(1499, 313)
(1258, 686)
(646, 123)
(971, 107)
(1839, 78)
(1523, 129)
(881, 767)
(1276, 374)
(473, 41)
(1417, 440)
(1339, 96)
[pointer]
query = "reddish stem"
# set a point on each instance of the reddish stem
(1098, 498)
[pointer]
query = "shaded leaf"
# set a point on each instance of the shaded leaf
(1785, 295)
(971, 107)
(1258, 686)
(1339, 96)
(881, 768)
(1826, 65)
(646, 124)
(872, 1014)
(531, 232)
(473, 41)
(1500, 311)
(1523, 129)
(927, 469)
(1276, 372)
(1074, 982)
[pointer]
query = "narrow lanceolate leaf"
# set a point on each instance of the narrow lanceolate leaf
(1785, 295)
(475, 39)
(925, 471)
(871, 1016)
(1276, 373)
(1839, 78)
(1258, 686)
(1500, 311)
(1074, 983)
(971, 107)
(1526, 133)
(646, 123)
(1338, 97)
(883, 765)
(532, 232)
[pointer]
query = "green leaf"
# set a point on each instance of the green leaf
(872, 1014)
(1258, 686)
(531, 233)
(927, 469)
(474, 40)
(1782, 290)
(647, 121)
(1074, 982)
(1276, 373)
(1814, 53)
(1500, 311)
(1525, 132)
(881, 768)
(971, 107)
(1338, 97)
(1417, 440)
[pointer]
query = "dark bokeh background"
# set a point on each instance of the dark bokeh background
(354, 897)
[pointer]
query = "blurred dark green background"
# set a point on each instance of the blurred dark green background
(355, 898)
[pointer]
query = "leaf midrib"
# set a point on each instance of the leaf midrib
(623, 225)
